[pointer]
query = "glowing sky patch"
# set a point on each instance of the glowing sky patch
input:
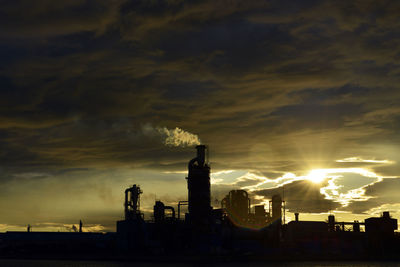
(54, 227)
(347, 184)
(361, 160)
(344, 185)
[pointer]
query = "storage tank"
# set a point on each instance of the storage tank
(159, 212)
(237, 206)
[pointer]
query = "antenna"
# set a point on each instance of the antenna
(284, 204)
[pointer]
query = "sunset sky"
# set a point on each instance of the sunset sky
(98, 95)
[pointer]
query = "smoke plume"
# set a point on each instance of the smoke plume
(172, 137)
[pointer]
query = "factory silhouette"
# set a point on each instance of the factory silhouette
(230, 232)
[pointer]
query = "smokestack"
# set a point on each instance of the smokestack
(276, 207)
(199, 195)
(331, 223)
(201, 154)
(296, 215)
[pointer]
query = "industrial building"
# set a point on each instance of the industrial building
(229, 231)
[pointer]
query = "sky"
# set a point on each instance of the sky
(293, 96)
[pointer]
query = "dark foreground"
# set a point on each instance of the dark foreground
(65, 263)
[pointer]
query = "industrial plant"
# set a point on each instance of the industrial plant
(231, 231)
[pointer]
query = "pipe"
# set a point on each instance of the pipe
(269, 207)
(181, 203)
(284, 212)
(126, 203)
(191, 162)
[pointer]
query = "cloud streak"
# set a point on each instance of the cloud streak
(360, 160)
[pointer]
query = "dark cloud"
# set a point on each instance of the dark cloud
(384, 192)
(46, 18)
(248, 181)
(272, 87)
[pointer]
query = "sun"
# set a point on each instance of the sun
(316, 176)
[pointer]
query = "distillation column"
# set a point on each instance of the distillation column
(199, 189)
(132, 203)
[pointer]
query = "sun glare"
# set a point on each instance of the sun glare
(316, 176)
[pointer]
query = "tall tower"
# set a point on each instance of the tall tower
(199, 188)
(277, 208)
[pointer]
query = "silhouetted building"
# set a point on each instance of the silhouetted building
(159, 212)
(306, 231)
(381, 226)
(131, 232)
(231, 231)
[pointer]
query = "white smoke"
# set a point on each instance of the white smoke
(172, 137)
(179, 137)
